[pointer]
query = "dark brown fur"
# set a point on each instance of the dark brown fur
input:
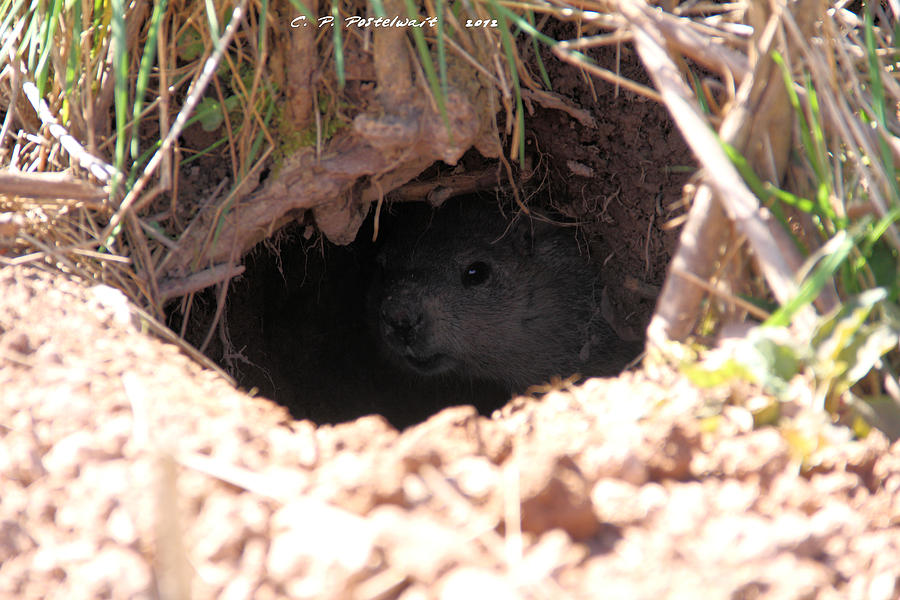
(463, 291)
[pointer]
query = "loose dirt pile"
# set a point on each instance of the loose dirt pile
(128, 471)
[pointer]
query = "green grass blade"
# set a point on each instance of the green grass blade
(839, 248)
(203, 152)
(875, 83)
(545, 77)
(74, 63)
(500, 13)
(427, 64)
(698, 93)
(878, 102)
(756, 185)
(148, 59)
(816, 128)
(825, 188)
(261, 39)
(378, 6)
(766, 191)
(883, 224)
(214, 29)
(137, 165)
(805, 134)
(520, 22)
(49, 30)
(30, 39)
(304, 10)
(102, 17)
(338, 45)
(120, 71)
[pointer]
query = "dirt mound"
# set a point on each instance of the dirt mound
(129, 471)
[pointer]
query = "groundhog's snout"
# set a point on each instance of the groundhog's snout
(403, 321)
(406, 326)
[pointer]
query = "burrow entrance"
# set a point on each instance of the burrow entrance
(295, 326)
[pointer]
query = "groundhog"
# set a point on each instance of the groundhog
(464, 291)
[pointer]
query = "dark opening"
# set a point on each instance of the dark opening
(297, 331)
(295, 325)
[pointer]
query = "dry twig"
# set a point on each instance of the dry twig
(765, 237)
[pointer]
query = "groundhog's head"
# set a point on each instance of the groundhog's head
(464, 290)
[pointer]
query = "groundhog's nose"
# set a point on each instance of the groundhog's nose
(403, 323)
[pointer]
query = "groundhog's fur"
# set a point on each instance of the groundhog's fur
(463, 290)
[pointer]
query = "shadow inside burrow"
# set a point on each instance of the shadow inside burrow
(297, 330)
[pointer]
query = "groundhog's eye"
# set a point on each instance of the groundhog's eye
(475, 273)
